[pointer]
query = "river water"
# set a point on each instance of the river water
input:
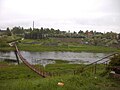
(50, 57)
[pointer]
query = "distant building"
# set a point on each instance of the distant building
(118, 36)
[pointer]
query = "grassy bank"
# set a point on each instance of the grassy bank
(86, 48)
(19, 77)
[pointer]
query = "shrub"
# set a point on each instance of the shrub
(115, 60)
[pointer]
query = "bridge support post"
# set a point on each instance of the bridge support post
(92, 69)
(95, 68)
(17, 57)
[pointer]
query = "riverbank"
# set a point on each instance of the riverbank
(20, 77)
(71, 48)
(80, 48)
(56, 45)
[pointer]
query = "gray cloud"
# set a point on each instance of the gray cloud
(107, 20)
(91, 14)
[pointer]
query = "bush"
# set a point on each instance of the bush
(115, 60)
(3, 44)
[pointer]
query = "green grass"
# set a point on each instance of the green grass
(16, 72)
(19, 77)
(61, 61)
(72, 48)
(62, 68)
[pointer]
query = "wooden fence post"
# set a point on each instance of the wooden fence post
(95, 68)
(92, 69)
(74, 72)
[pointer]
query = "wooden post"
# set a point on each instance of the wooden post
(17, 57)
(74, 72)
(92, 69)
(95, 68)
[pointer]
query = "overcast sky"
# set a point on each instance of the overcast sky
(73, 15)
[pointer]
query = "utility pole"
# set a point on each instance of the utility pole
(17, 57)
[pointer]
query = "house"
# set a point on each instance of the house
(89, 34)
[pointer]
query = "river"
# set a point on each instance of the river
(45, 58)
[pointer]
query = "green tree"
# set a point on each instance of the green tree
(80, 32)
(74, 32)
(8, 32)
(17, 30)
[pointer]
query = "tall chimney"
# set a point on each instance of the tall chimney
(33, 25)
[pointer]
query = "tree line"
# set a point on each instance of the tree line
(37, 33)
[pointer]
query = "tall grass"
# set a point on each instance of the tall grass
(70, 83)
(72, 48)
